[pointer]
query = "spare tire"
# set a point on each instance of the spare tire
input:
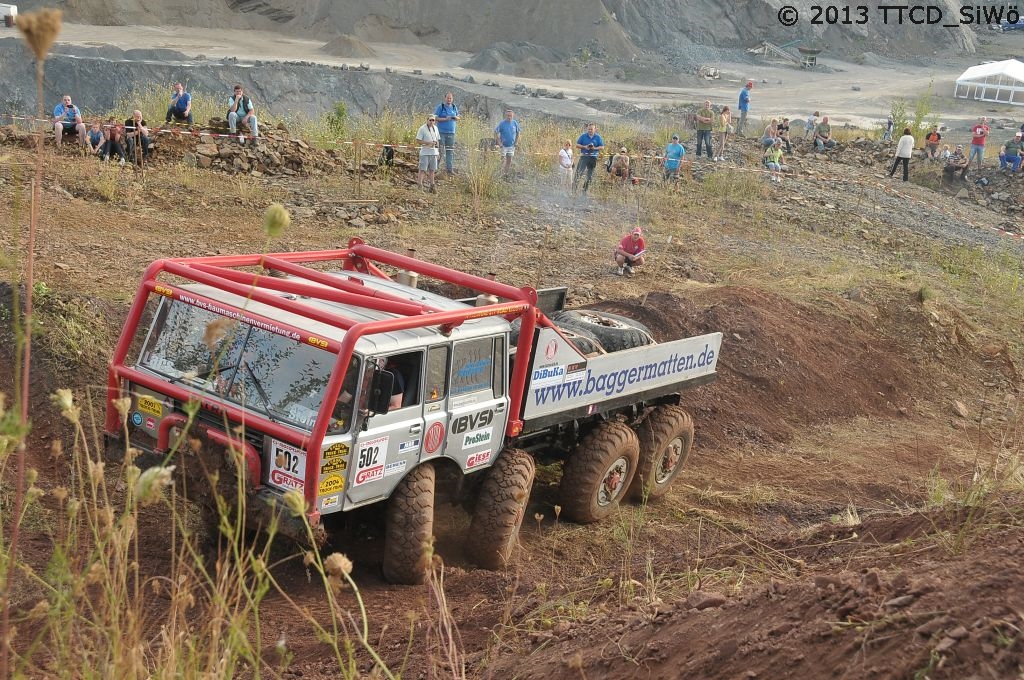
(614, 332)
(582, 339)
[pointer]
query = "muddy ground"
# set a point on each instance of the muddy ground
(822, 527)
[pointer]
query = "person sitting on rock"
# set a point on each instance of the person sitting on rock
(957, 162)
(771, 133)
(115, 142)
(823, 136)
(181, 106)
(1011, 155)
(67, 119)
(136, 131)
(241, 110)
(630, 252)
(619, 167)
(784, 134)
(95, 138)
(774, 160)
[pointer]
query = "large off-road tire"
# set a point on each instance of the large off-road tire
(409, 527)
(500, 509)
(665, 441)
(597, 474)
(583, 340)
(614, 332)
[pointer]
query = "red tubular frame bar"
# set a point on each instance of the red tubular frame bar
(218, 272)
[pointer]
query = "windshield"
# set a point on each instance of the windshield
(280, 378)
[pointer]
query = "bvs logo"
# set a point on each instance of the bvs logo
(473, 422)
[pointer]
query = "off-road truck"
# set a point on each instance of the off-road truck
(331, 374)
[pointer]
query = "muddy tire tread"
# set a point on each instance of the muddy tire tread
(500, 509)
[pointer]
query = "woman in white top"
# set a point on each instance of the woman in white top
(904, 150)
(565, 165)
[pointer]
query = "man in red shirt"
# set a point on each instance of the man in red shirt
(630, 252)
(978, 134)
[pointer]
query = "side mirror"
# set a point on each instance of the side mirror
(381, 385)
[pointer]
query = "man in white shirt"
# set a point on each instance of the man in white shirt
(429, 138)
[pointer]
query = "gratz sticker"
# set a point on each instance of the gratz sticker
(478, 459)
(434, 438)
(331, 484)
(287, 465)
(370, 459)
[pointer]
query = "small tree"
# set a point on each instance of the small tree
(898, 111)
(337, 119)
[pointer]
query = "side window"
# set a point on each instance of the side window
(407, 371)
(472, 366)
(436, 386)
(499, 366)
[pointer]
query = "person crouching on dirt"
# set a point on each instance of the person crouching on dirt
(630, 252)
(957, 162)
(774, 161)
(620, 165)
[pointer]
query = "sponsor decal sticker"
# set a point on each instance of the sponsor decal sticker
(329, 502)
(472, 421)
(335, 465)
(476, 438)
(548, 376)
(370, 460)
(409, 446)
(151, 406)
(551, 349)
(478, 459)
(287, 465)
(136, 419)
(434, 438)
(394, 467)
(336, 450)
(331, 484)
(150, 423)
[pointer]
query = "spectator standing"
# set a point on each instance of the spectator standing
(590, 145)
(181, 106)
(774, 161)
(979, 133)
(565, 165)
(904, 150)
(744, 106)
(447, 114)
(67, 118)
(1011, 155)
(887, 134)
(241, 110)
(96, 138)
(957, 162)
(722, 124)
(705, 123)
(931, 143)
(810, 125)
(429, 138)
(823, 135)
(630, 252)
(674, 153)
(506, 135)
(137, 132)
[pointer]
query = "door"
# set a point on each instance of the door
(435, 408)
(477, 401)
(390, 444)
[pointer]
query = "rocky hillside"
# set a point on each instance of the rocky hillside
(619, 28)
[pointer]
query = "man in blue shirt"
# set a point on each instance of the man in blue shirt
(447, 113)
(590, 145)
(67, 118)
(181, 105)
(744, 106)
(506, 135)
(674, 153)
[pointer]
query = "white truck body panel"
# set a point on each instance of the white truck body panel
(557, 385)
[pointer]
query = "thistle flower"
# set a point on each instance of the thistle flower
(96, 471)
(123, 406)
(40, 29)
(295, 503)
(215, 332)
(64, 399)
(149, 487)
(275, 220)
(337, 565)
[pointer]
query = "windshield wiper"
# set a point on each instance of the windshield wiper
(259, 388)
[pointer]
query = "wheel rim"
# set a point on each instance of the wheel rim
(670, 457)
(611, 486)
(604, 321)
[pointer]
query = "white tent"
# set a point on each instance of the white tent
(996, 81)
